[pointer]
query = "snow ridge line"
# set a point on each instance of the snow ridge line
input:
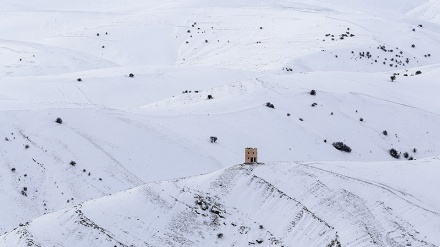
(376, 185)
(272, 187)
(85, 221)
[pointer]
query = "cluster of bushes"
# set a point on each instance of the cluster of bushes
(342, 147)
(395, 154)
(342, 36)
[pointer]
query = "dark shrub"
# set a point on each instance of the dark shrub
(270, 105)
(131, 75)
(220, 235)
(413, 46)
(300, 119)
(314, 104)
(13, 169)
(210, 96)
(418, 72)
(361, 119)
(59, 120)
(385, 133)
(342, 147)
(213, 139)
(288, 114)
(26, 146)
(393, 152)
(393, 77)
(406, 155)
(79, 79)
(313, 92)
(415, 150)
(72, 163)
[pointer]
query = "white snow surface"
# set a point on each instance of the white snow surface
(132, 163)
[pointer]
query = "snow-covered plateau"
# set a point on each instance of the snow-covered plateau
(107, 108)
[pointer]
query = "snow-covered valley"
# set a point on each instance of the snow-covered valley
(141, 86)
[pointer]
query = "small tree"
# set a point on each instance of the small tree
(393, 152)
(393, 77)
(79, 79)
(59, 120)
(213, 139)
(131, 75)
(72, 163)
(210, 96)
(313, 92)
(385, 133)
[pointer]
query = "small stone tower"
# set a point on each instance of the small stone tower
(250, 155)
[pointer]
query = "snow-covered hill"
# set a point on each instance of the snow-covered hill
(73, 60)
(276, 204)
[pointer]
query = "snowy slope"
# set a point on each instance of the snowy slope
(276, 204)
(123, 132)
